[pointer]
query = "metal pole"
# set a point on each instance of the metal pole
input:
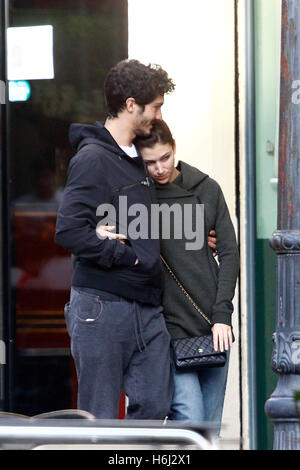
(281, 407)
(251, 219)
(4, 269)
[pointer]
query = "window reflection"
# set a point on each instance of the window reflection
(30, 52)
(89, 37)
(44, 194)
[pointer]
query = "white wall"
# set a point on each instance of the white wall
(194, 42)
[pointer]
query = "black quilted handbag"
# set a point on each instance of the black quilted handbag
(197, 352)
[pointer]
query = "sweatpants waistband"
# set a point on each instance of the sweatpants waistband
(101, 294)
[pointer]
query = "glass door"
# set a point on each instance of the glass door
(59, 54)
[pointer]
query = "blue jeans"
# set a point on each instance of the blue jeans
(119, 344)
(199, 396)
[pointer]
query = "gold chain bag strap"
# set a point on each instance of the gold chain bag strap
(184, 291)
(196, 352)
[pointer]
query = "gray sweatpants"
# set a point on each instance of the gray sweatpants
(118, 344)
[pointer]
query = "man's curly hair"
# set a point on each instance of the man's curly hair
(132, 79)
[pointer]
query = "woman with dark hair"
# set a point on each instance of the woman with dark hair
(199, 395)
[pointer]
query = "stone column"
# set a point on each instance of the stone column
(281, 407)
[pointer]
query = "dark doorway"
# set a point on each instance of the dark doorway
(89, 36)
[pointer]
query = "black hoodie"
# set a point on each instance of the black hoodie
(98, 174)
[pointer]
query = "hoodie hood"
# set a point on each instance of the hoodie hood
(83, 134)
(190, 177)
(185, 183)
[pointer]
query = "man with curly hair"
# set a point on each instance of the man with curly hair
(119, 340)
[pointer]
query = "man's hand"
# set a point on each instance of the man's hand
(222, 337)
(104, 231)
(212, 241)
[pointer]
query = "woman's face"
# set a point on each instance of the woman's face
(160, 161)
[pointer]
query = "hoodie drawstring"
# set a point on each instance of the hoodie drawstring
(138, 329)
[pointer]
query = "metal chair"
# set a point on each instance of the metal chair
(42, 433)
(65, 414)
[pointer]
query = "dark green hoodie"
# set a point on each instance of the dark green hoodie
(210, 284)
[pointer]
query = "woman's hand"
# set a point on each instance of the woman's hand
(104, 232)
(222, 337)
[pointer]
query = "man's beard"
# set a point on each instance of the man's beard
(143, 129)
(143, 126)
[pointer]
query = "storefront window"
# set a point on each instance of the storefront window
(89, 36)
